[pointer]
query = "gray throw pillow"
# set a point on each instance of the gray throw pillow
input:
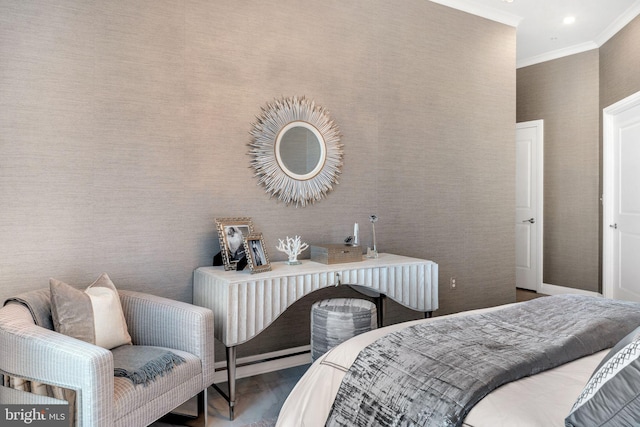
(93, 315)
(612, 395)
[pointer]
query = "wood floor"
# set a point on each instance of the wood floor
(526, 295)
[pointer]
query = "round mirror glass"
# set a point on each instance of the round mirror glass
(300, 150)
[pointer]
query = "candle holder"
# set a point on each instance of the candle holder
(356, 235)
(373, 252)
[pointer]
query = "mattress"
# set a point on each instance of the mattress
(544, 399)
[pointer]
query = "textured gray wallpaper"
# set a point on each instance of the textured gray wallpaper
(569, 94)
(124, 124)
(619, 65)
(564, 93)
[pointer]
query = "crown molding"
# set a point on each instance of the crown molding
(555, 54)
(628, 16)
(513, 20)
(483, 11)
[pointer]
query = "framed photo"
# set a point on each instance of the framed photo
(256, 251)
(231, 232)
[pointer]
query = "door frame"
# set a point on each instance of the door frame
(608, 118)
(539, 125)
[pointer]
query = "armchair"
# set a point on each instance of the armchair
(36, 353)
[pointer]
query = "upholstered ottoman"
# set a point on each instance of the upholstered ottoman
(338, 319)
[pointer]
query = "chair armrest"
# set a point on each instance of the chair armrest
(163, 322)
(39, 354)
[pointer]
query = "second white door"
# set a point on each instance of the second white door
(529, 150)
(622, 200)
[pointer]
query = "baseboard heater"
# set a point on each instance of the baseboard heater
(266, 362)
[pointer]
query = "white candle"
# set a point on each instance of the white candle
(355, 234)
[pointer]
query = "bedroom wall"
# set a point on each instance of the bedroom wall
(619, 62)
(565, 94)
(124, 124)
(569, 94)
(619, 65)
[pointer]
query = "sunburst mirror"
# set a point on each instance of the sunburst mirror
(296, 150)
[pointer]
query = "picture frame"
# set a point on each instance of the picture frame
(256, 251)
(231, 233)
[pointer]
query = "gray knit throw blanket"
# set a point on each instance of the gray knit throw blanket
(143, 364)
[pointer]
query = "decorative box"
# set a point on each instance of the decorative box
(335, 253)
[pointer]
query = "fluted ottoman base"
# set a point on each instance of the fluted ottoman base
(335, 320)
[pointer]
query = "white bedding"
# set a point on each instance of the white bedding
(544, 399)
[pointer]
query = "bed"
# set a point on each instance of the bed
(606, 374)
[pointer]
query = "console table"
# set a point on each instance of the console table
(244, 304)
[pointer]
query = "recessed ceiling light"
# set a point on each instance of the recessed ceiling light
(569, 20)
(507, 1)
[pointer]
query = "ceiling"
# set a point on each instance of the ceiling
(541, 33)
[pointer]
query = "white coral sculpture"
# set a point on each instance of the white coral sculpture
(292, 248)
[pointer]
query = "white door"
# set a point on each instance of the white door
(529, 150)
(621, 182)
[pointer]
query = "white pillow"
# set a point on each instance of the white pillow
(94, 316)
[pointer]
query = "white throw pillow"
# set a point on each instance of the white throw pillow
(94, 315)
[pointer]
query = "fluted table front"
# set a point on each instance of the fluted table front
(244, 304)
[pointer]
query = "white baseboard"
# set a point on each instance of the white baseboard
(265, 362)
(548, 289)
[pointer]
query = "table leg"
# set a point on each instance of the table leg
(231, 377)
(428, 314)
(231, 380)
(381, 306)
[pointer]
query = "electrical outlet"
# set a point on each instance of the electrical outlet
(453, 283)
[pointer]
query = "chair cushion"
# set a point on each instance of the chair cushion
(170, 390)
(93, 315)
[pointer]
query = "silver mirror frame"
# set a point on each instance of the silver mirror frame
(287, 186)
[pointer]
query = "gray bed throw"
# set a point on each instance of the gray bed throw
(143, 364)
(433, 373)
